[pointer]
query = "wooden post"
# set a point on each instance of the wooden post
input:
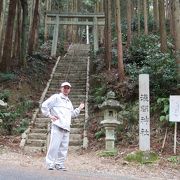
(55, 37)
(175, 137)
(174, 114)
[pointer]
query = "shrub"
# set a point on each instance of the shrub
(8, 117)
(145, 57)
(4, 95)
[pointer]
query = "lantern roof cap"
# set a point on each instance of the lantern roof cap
(111, 102)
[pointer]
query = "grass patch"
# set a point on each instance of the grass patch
(174, 159)
(7, 76)
(108, 153)
(142, 157)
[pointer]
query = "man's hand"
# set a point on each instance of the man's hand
(81, 106)
(53, 118)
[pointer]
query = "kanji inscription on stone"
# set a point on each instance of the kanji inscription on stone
(144, 113)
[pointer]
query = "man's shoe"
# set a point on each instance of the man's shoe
(60, 167)
(51, 167)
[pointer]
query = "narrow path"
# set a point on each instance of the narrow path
(86, 165)
(13, 173)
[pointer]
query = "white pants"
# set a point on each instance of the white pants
(58, 147)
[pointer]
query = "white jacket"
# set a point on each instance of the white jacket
(60, 106)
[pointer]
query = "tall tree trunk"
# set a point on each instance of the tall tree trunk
(106, 32)
(171, 20)
(1, 7)
(139, 16)
(70, 27)
(128, 23)
(177, 35)
(109, 50)
(24, 5)
(17, 38)
(145, 18)
(156, 16)
(46, 20)
(101, 10)
(108, 41)
(162, 26)
(7, 49)
(2, 12)
(119, 41)
(34, 28)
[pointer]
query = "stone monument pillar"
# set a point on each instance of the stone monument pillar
(144, 113)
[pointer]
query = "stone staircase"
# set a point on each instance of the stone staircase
(73, 67)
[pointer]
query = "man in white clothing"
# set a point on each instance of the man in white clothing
(60, 110)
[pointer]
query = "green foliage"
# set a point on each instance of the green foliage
(174, 159)
(88, 5)
(145, 57)
(4, 95)
(100, 134)
(22, 126)
(24, 106)
(130, 113)
(134, 24)
(8, 117)
(163, 104)
(99, 94)
(142, 157)
(7, 76)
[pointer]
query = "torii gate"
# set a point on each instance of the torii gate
(91, 19)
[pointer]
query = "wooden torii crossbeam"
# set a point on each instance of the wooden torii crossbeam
(90, 19)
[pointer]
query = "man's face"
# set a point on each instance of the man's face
(65, 90)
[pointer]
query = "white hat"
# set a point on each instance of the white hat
(65, 84)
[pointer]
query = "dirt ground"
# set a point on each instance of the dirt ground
(90, 161)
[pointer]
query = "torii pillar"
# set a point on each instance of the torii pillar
(95, 33)
(55, 37)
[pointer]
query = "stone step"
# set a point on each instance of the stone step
(75, 148)
(73, 98)
(80, 78)
(37, 136)
(42, 120)
(72, 81)
(34, 149)
(66, 64)
(36, 142)
(78, 125)
(44, 131)
(40, 116)
(75, 143)
(71, 65)
(54, 90)
(64, 74)
(68, 60)
(40, 125)
(74, 88)
(76, 137)
(76, 131)
(73, 84)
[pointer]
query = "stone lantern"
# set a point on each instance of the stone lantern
(110, 109)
